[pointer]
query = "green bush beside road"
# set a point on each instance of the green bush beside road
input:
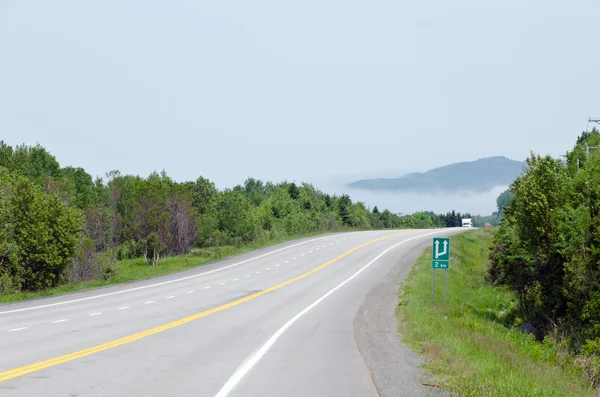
(466, 343)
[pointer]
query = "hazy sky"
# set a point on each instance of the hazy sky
(311, 90)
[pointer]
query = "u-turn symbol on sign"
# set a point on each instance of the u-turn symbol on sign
(440, 253)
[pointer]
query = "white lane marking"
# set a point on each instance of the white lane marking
(247, 275)
(324, 246)
(95, 314)
(171, 297)
(294, 258)
(17, 329)
(164, 282)
(222, 284)
(302, 255)
(277, 265)
(207, 287)
(60, 321)
(149, 302)
(189, 292)
(258, 272)
(330, 243)
(235, 279)
(124, 308)
(268, 268)
(251, 361)
(316, 249)
(310, 252)
(338, 241)
(286, 262)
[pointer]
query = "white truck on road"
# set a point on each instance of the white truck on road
(467, 222)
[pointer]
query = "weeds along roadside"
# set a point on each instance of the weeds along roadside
(465, 343)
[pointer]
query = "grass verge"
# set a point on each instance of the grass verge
(138, 269)
(463, 342)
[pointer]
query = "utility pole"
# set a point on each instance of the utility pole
(587, 148)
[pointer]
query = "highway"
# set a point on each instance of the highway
(278, 321)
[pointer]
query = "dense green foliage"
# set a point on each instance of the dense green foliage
(474, 176)
(504, 200)
(454, 219)
(547, 248)
(59, 225)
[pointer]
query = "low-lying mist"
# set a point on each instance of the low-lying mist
(407, 203)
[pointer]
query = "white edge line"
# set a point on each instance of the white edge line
(251, 361)
(60, 321)
(161, 283)
(189, 292)
(124, 308)
(17, 329)
(96, 314)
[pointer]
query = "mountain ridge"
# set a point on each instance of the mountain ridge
(478, 176)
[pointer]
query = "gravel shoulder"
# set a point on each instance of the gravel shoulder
(395, 368)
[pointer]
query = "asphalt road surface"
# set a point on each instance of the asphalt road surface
(273, 322)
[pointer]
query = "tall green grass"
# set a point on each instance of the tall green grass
(138, 269)
(464, 342)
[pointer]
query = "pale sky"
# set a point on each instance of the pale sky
(311, 90)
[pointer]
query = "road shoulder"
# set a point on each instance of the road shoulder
(395, 368)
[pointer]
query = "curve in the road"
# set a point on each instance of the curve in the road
(17, 372)
(255, 358)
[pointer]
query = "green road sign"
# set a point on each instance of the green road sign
(440, 259)
(441, 249)
(440, 264)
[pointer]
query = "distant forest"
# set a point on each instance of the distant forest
(59, 225)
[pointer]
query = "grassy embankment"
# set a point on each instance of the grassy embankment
(464, 343)
(138, 269)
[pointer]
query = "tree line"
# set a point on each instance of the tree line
(60, 225)
(547, 248)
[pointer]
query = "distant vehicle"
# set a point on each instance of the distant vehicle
(467, 222)
(488, 225)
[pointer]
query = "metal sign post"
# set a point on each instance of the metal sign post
(445, 277)
(433, 288)
(440, 259)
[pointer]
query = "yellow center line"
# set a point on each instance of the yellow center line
(13, 373)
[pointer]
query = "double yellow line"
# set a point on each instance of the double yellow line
(13, 373)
